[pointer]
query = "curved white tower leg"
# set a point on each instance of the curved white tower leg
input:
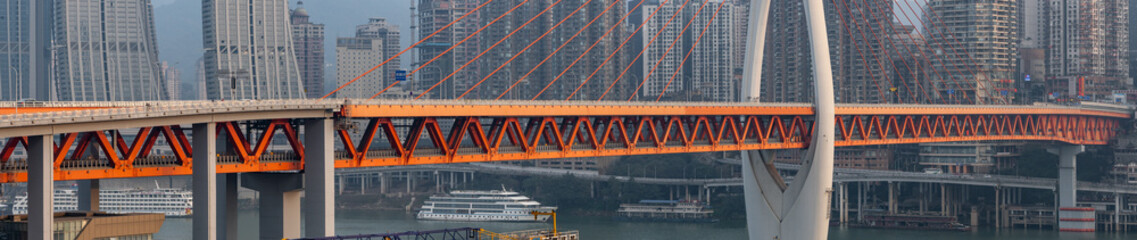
(800, 211)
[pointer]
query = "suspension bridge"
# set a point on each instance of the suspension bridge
(919, 98)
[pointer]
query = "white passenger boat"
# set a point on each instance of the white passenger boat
(496, 205)
(171, 202)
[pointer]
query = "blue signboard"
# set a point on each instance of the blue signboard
(1004, 92)
(1027, 78)
(400, 75)
(951, 91)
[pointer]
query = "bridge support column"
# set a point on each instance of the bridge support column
(1067, 173)
(227, 224)
(205, 181)
(362, 184)
(943, 200)
(998, 207)
(1116, 212)
(340, 183)
(319, 169)
(861, 191)
(799, 211)
(383, 183)
(89, 195)
(843, 202)
(41, 187)
(279, 203)
(891, 198)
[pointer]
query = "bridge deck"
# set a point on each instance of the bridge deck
(398, 132)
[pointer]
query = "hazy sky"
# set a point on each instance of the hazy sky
(179, 28)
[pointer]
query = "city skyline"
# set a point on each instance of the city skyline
(992, 86)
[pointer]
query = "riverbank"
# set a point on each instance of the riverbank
(376, 221)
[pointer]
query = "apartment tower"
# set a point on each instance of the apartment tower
(249, 52)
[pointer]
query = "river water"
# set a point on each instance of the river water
(370, 221)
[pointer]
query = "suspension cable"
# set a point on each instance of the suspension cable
(908, 48)
(952, 45)
(884, 34)
(868, 46)
(924, 55)
(963, 48)
(459, 43)
(653, 38)
(666, 52)
(605, 62)
(689, 51)
(534, 43)
(515, 30)
(407, 49)
(941, 57)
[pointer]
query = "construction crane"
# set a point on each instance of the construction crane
(552, 214)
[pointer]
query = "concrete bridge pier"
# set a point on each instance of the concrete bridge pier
(383, 181)
(41, 187)
(88, 195)
(998, 207)
(279, 203)
(1066, 192)
(363, 184)
(891, 198)
(205, 181)
(943, 200)
(319, 173)
(340, 183)
(227, 224)
(1067, 173)
(843, 202)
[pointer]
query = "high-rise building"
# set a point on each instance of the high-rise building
(106, 52)
(354, 56)
(248, 50)
(1031, 83)
(984, 64)
(308, 40)
(975, 46)
(1132, 44)
(861, 71)
(381, 30)
(533, 68)
(432, 16)
(592, 64)
(741, 21)
(200, 85)
(707, 75)
(172, 80)
(1088, 48)
(14, 59)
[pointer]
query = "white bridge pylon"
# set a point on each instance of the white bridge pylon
(773, 209)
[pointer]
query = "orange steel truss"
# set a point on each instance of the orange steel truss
(427, 135)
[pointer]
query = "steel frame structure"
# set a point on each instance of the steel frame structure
(438, 134)
(441, 234)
